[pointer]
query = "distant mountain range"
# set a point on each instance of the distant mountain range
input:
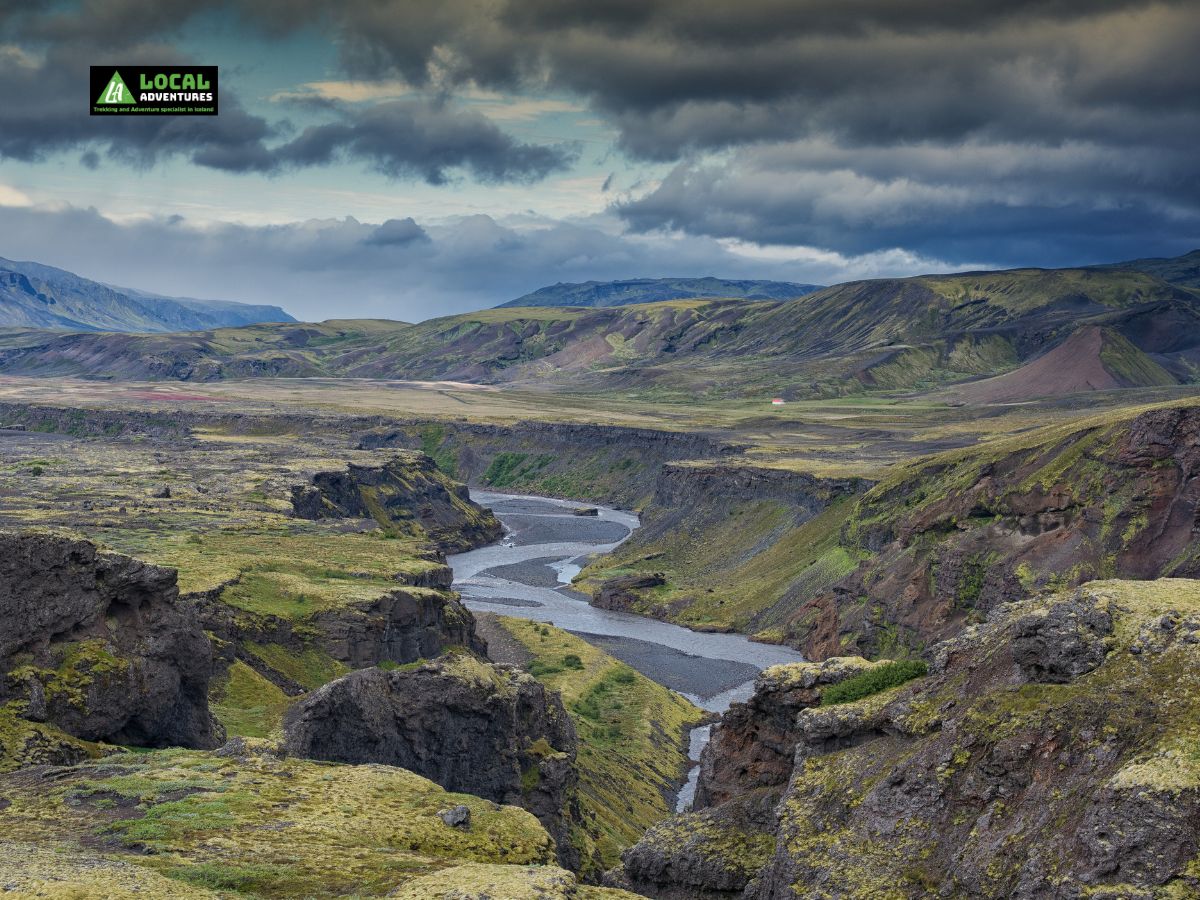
(37, 296)
(991, 336)
(655, 290)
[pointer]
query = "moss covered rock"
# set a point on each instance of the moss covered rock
(406, 495)
(993, 777)
(97, 645)
(245, 820)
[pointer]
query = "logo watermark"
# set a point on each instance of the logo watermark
(154, 90)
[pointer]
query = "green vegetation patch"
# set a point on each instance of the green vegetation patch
(876, 679)
(246, 703)
(310, 667)
(260, 826)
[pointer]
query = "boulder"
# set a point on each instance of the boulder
(1063, 642)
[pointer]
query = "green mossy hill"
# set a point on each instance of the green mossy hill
(632, 750)
(294, 608)
(1050, 751)
(246, 822)
(334, 567)
(947, 538)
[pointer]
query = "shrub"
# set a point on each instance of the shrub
(880, 678)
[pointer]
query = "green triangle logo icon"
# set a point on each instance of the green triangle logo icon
(116, 93)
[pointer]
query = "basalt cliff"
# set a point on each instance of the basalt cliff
(1048, 753)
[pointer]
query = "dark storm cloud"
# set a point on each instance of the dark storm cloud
(424, 139)
(678, 75)
(978, 129)
(44, 62)
(44, 111)
(1006, 204)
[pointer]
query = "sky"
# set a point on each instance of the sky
(413, 158)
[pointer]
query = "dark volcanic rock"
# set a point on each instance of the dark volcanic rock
(468, 725)
(754, 745)
(621, 593)
(1062, 643)
(408, 490)
(992, 777)
(97, 645)
(713, 853)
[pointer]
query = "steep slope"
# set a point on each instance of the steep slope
(1182, 270)
(653, 290)
(1049, 753)
(948, 539)
(37, 296)
(838, 566)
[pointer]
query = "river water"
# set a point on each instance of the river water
(528, 573)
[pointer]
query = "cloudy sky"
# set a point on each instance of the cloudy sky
(411, 158)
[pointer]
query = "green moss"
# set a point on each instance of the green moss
(246, 703)
(26, 743)
(309, 668)
(262, 825)
(78, 666)
(873, 681)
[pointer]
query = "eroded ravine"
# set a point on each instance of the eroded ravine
(528, 575)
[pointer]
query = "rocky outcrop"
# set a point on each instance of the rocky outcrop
(991, 777)
(400, 626)
(624, 591)
(408, 494)
(754, 745)
(468, 725)
(97, 645)
(949, 540)
(706, 855)
(1063, 642)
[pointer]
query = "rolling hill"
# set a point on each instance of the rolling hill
(655, 290)
(1183, 270)
(37, 296)
(1091, 330)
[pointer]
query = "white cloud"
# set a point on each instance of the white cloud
(347, 91)
(10, 196)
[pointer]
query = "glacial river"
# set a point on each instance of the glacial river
(528, 575)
